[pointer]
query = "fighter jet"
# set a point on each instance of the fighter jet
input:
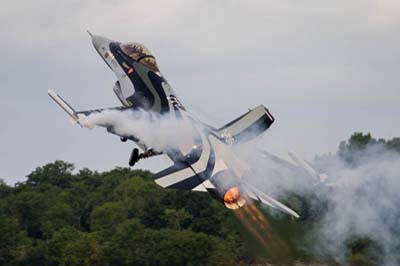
(202, 164)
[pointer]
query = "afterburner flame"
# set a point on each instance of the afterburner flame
(233, 198)
(232, 195)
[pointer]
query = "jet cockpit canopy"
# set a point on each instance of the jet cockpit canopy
(141, 54)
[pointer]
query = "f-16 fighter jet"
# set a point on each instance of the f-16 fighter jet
(205, 163)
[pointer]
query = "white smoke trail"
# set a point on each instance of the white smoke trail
(362, 201)
(160, 132)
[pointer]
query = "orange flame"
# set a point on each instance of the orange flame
(232, 195)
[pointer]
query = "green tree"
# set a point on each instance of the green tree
(72, 247)
(28, 207)
(137, 194)
(57, 173)
(4, 189)
(175, 218)
(10, 237)
(355, 149)
(118, 217)
(56, 216)
(127, 246)
(107, 216)
(363, 251)
(393, 144)
(170, 247)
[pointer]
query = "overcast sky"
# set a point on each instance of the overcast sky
(324, 69)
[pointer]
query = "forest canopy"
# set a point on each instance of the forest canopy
(121, 217)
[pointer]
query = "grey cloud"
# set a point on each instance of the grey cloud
(324, 69)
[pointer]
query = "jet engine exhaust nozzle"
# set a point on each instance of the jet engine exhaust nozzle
(234, 199)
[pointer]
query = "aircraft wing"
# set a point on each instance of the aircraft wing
(64, 105)
(78, 117)
(187, 173)
(260, 196)
(181, 175)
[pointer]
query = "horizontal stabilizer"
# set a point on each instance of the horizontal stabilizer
(306, 166)
(258, 195)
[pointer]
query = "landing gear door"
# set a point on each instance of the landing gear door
(118, 91)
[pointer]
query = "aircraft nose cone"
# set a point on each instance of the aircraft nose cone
(100, 42)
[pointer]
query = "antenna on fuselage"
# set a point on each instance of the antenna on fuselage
(91, 35)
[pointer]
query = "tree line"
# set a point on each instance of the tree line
(121, 217)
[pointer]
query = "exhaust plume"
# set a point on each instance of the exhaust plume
(359, 199)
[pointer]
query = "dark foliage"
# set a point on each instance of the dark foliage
(364, 251)
(354, 150)
(120, 217)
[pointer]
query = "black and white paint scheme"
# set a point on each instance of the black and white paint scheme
(152, 116)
